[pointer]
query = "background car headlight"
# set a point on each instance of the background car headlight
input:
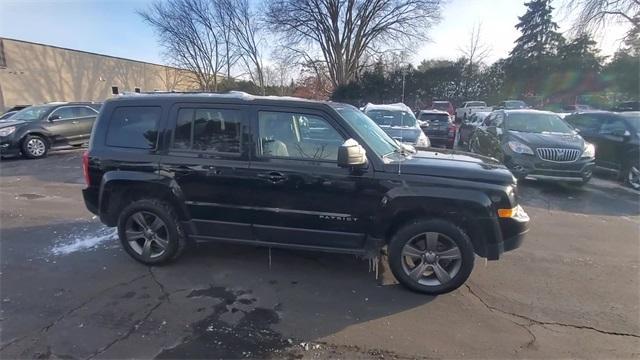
(519, 148)
(7, 131)
(423, 140)
(589, 150)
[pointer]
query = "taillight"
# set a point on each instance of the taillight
(85, 168)
(452, 129)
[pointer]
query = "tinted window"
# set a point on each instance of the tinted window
(83, 111)
(211, 130)
(294, 135)
(134, 127)
(613, 126)
(438, 117)
(584, 122)
(62, 113)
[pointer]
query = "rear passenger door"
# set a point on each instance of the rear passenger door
(208, 158)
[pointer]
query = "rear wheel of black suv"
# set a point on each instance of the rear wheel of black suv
(150, 232)
(431, 256)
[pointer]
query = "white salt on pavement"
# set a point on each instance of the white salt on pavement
(85, 242)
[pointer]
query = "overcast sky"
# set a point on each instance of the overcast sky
(114, 28)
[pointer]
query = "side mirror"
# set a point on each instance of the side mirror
(54, 117)
(351, 155)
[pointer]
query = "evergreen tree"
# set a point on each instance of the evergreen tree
(539, 37)
(534, 52)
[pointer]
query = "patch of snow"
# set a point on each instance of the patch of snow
(85, 242)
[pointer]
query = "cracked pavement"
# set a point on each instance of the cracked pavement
(571, 291)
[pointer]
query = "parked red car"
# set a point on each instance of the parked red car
(443, 106)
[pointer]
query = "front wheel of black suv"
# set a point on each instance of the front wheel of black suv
(431, 256)
(631, 176)
(150, 232)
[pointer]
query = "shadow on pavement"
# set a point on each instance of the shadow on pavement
(236, 301)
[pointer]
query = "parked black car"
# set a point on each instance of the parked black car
(535, 143)
(616, 138)
(171, 169)
(32, 131)
(438, 126)
(467, 127)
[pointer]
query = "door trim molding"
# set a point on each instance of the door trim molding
(275, 210)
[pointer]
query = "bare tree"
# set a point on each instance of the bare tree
(594, 15)
(475, 50)
(246, 33)
(197, 35)
(344, 30)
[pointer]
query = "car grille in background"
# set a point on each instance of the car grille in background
(559, 155)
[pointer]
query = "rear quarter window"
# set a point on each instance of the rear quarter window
(134, 127)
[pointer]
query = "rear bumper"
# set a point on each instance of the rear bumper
(439, 140)
(91, 200)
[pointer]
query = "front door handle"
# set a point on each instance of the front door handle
(274, 177)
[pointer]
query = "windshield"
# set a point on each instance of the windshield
(537, 123)
(430, 117)
(476, 103)
(392, 117)
(441, 105)
(633, 119)
(32, 113)
(381, 143)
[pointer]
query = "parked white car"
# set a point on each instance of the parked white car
(470, 107)
(399, 122)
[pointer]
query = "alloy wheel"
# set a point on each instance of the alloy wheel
(431, 259)
(36, 147)
(634, 177)
(147, 234)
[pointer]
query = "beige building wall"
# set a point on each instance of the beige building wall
(33, 73)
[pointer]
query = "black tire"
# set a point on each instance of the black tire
(174, 233)
(34, 147)
(452, 233)
(627, 178)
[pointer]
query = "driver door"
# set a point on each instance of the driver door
(62, 124)
(610, 142)
(299, 194)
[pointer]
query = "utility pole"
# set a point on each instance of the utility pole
(404, 74)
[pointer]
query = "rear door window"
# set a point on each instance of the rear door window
(208, 130)
(134, 127)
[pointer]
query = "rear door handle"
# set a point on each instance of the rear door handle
(274, 176)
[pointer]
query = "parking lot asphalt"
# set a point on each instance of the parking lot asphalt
(68, 290)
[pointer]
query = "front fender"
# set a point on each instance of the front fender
(472, 208)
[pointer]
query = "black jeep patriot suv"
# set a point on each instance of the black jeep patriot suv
(172, 169)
